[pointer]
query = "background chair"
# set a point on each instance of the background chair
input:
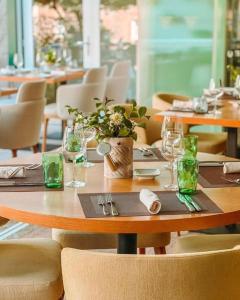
(30, 269)
(20, 123)
(95, 75)
(88, 241)
(76, 95)
(210, 275)
(207, 142)
(117, 88)
(120, 68)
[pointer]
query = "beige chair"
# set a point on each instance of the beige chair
(87, 241)
(76, 95)
(95, 75)
(20, 123)
(30, 269)
(117, 88)
(120, 68)
(210, 275)
(207, 142)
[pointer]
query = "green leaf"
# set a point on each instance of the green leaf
(141, 124)
(119, 109)
(123, 132)
(142, 111)
(134, 114)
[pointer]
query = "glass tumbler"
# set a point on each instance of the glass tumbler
(190, 145)
(53, 169)
(187, 175)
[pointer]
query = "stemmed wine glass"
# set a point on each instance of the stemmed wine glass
(67, 56)
(213, 93)
(74, 149)
(171, 150)
(170, 125)
(88, 134)
(18, 60)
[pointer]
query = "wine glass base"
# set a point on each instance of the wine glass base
(88, 164)
(171, 187)
(75, 184)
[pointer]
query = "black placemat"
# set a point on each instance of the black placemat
(35, 176)
(94, 157)
(128, 204)
(213, 177)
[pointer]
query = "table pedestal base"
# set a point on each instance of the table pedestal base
(127, 243)
(232, 145)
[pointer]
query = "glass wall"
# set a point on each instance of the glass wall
(119, 35)
(178, 46)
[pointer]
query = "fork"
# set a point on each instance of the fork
(33, 166)
(101, 202)
(109, 201)
(146, 151)
(237, 181)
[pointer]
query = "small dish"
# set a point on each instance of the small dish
(146, 173)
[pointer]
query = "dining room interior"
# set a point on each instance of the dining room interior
(119, 149)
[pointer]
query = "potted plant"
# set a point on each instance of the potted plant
(115, 125)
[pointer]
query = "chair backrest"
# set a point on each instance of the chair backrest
(104, 276)
(163, 101)
(95, 75)
(78, 96)
(117, 88)
(31, 91)
(121, 68)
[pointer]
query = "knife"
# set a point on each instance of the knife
(14, 183)
(194, 203)
(182, 199)
(211, 163)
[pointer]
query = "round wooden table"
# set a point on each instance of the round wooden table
(62, 209)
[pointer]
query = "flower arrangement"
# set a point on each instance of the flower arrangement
(111, 121)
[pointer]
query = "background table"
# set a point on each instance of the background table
(62, 209)
(228, 118)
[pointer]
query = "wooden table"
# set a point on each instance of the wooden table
(228, 118)
(62, 209)
(8, 92)
(53, 79)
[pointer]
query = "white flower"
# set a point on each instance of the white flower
(116, 119)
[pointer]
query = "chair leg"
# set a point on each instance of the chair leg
(142, 251)
(178, 233)
(160, 250)
(45, 126)
(14, 152)
(35, 148)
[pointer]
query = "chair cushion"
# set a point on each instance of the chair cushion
(85, 241)
(202, 243)
(30, 269)
(50, 111)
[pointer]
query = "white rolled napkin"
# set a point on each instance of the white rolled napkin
(12, 172)
(151, 201)
(231, 167)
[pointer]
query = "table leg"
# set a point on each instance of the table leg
(127, 243)
(232, 144)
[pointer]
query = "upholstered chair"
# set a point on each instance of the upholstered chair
(95, 75)
(30, 269)
(117, 88)
(209, 275)
(90, 241)
(76, 95)
(120, 68)
(21, 122)
(207, 142)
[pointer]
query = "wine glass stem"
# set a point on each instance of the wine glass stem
(215, 105)
(172, 172)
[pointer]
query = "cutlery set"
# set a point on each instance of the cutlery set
(108, 205)
(146, 151)
(187, 200)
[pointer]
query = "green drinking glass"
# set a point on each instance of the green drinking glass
(187, 175)
(190, 145)
(53, 169)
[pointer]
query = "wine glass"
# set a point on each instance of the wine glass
(67, 56)
(170, 125)
(213, 93)
(89, 134)
(171, 150)
(39, 59)
(74, 149)
(18, 60)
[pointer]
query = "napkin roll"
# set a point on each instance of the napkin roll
(231, 167)
(12, 172)
(151, 201)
